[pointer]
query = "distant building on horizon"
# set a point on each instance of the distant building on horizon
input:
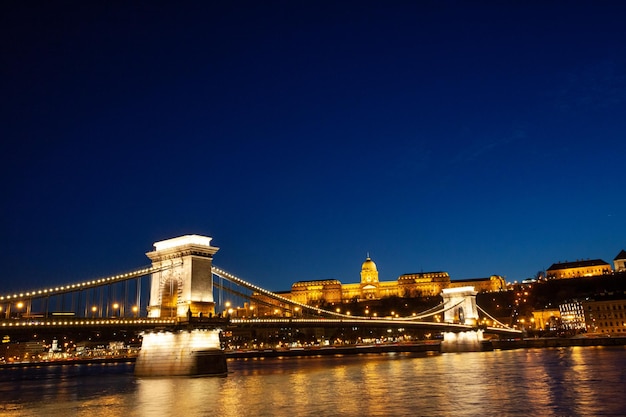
(620, 261)
(578, 269)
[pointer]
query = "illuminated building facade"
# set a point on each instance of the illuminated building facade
(572, 316)
(546, 319)
(371, 288)
(578, 269)
(493, 283)
(606, 316)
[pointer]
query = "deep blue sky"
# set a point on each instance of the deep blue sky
(475, 138)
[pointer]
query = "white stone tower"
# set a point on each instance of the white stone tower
(460, 305)
(184, 280)
(182, 287)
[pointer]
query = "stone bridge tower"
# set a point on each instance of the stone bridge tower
(184, 280)
(460, 305)
(182, 283)
(464, 301)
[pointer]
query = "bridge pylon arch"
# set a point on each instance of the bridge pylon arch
(184, 279)
(460, 305)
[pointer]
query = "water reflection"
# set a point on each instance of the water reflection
(547, 382)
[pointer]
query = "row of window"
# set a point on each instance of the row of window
(607, 307)
(610, 316)
(610, 324)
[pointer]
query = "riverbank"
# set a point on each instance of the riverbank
(550, 342)
(430, 346)
(426, 346)
(77, 361)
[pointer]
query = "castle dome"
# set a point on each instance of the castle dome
(369, 265)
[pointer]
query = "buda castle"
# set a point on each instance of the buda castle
(370, 288)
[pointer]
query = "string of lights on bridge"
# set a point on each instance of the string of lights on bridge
(342, 318)
(429, 313)
(339, 317)
(83, 322)
(57, 290)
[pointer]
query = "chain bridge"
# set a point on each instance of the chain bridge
(182, 303)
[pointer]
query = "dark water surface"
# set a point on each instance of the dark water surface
(578, 381)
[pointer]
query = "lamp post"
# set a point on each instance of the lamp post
(135, 311)
(116, 306)
(93, 311)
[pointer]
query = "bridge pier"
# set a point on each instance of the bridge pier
(468, 341)
(182, 288)
(181, 353)
(460, 305)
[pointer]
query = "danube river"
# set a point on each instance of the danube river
(574, 381)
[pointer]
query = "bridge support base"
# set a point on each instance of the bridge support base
(181, 353)
(470, 341)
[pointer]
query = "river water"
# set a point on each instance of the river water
(575, 381)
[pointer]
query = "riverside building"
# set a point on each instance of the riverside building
(606, 315)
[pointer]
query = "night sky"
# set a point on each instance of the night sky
(476, 138)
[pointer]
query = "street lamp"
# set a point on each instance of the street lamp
(116, 306)
(19, 306)
(93, 311)
(135, 310)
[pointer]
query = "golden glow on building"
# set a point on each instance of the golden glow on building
(425, 284)
(578, 269)
(606, 316)
(545, 319)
